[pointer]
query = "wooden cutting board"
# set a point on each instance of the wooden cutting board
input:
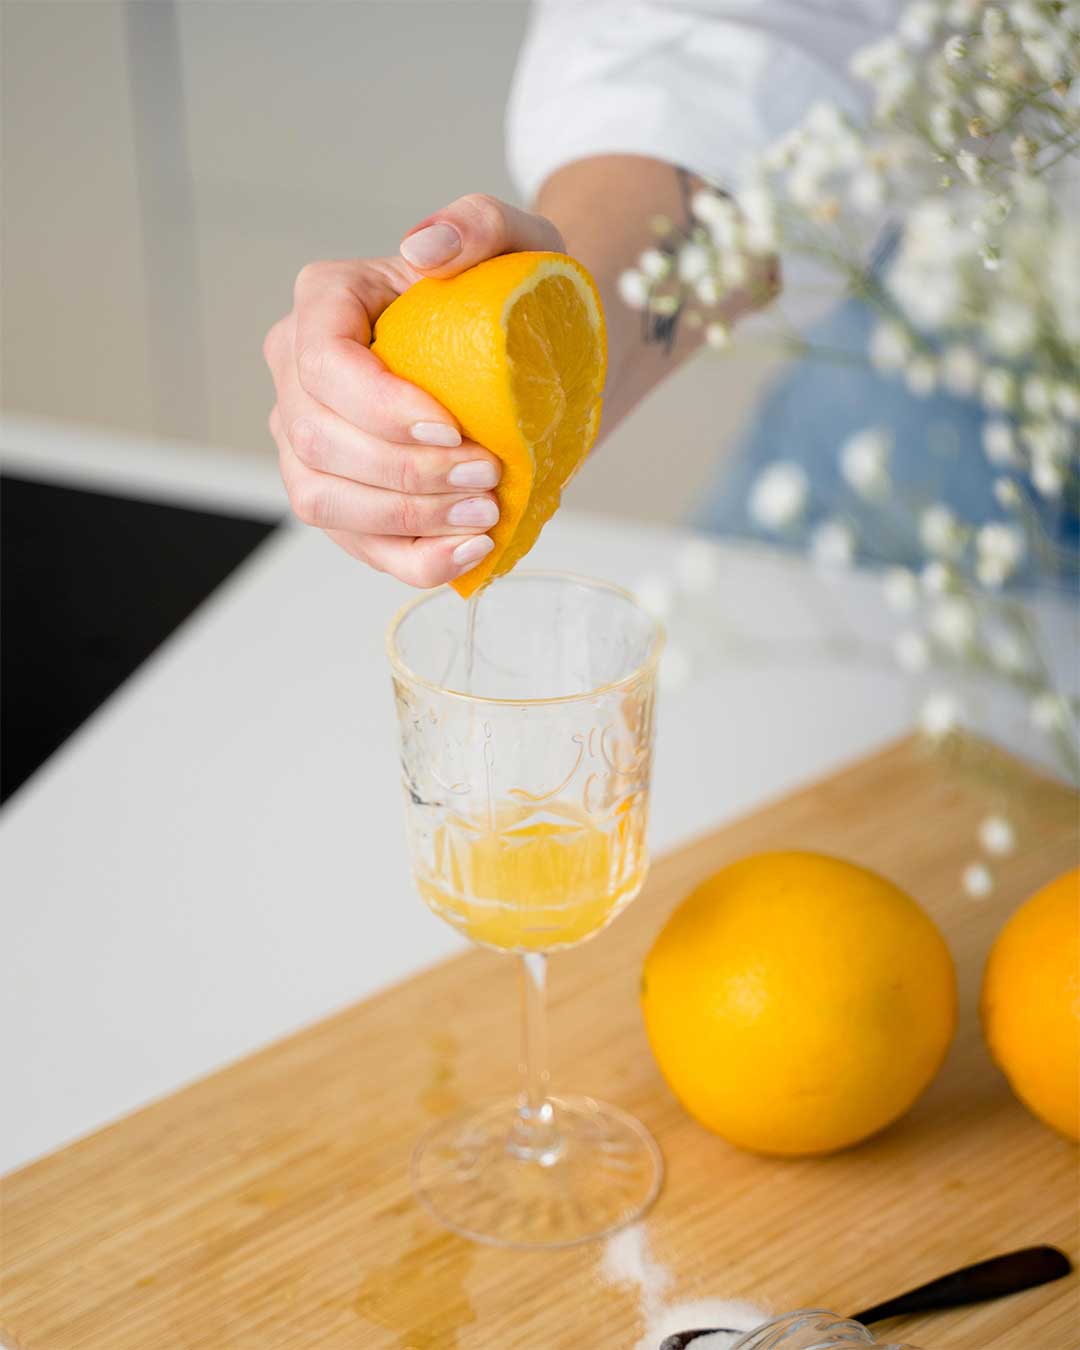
(268, 1206)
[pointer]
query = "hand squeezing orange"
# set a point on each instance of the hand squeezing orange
(515, 348)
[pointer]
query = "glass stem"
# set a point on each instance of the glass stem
(535, 1136)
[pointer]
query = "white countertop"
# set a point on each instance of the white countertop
(217, 856)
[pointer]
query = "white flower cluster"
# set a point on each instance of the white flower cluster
(723, 249)
(997, 838)
(971, 153)
(1012, 335)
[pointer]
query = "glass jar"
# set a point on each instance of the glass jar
(812, 1329)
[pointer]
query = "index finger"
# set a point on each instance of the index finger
(335, 304)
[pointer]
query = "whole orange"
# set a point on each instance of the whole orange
(797, 1003)
(1031, 1003)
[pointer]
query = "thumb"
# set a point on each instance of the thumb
(471, 229)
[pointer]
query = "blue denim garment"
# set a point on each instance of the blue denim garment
(811, 408)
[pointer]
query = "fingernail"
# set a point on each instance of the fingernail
(480, 511)
(474, 473)
(472, 550)
(435, 433)
(431, 246)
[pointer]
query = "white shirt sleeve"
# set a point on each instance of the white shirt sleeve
(705, 84)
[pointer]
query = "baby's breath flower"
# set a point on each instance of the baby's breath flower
(1047, 57)
(633, 289)
(1067, 401)
(876, 60)
(693, 262)
(778, 495)
(721, 218)
(963, 13)
(940, 715)
(999, 550)
(936, 578)
(832, 544)
(1047, 712)
(1011, 328)
(912, 651)
(939, 530)
(1045, 439)
(759, 218)
(952, 622)
(993, 21)
(1038, 395)
(803, 187)
(999, 443)
(1047, 476)
(654, 264)
(734, 269)
(997, 836)
(1007, 494)
(1023, 149)
(707, 291)
(867, 191)
(864, 461)
(780, 155)
(954, 50)
(977, 880)
(999, 388)
(1008, 652)
(993, 102)
(944, 125)
(919, 23)
(825, 120)
(718, 336)
(708, 206)
(664, 305)
(1026, 16)
(901, 589)
(889, 346)
(970, 165)
(921, 376)
(960, 369)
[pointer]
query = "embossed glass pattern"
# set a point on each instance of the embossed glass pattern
(525, 761)
(812, 1329)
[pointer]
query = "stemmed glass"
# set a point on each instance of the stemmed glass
(526, 748)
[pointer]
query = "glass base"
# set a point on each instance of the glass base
(602, 1172)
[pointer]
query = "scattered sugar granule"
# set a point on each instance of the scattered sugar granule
(628, 1260)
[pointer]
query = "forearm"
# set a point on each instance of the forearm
(604, 207)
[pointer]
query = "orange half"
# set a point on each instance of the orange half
(516, 349)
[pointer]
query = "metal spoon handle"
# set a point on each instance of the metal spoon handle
(1001, 1275)
(996, 1278)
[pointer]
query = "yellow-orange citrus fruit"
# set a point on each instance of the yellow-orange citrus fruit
(797, 1004)
(1031, 1003)
(516, 349)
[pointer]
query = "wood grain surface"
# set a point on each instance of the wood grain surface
(268, 1207)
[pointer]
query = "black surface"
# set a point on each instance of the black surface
(90, 585)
